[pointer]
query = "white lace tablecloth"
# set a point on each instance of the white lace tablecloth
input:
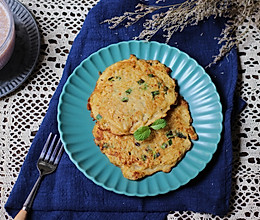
(21, 112)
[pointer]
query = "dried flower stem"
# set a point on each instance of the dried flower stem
(175, 17)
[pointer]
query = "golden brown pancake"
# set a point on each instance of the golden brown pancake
(132, 93)
(159, 152)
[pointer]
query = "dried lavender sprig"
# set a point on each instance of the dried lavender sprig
(190, 12)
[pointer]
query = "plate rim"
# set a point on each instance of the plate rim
(205, 162)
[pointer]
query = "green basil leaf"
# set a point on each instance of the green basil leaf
(142, 133)
(158, 124)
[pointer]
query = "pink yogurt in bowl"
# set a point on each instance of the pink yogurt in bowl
(7, 34)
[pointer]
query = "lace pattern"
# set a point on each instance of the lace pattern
(22, 111)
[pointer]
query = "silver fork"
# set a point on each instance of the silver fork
(47, 163)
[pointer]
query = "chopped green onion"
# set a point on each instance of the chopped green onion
(180, 135)
(144, 157)
(98, 117)
(155, 155)
(155, 93)
(148, 149)
(165, 89)
(118, 77)
(140, 81)
(169, 134)
(128, 91)
(145, 86)
(111, 78)
(164, 145)
(124, 99)
(105, 145)
(150, 75)
(170, 142)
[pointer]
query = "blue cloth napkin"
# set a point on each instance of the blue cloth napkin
(68, 194)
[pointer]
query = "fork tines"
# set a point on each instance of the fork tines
(52, 149)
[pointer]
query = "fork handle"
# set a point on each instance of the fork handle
(22, 215)
(29, 201)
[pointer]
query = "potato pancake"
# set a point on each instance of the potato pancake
(159, 152)
(132, 93)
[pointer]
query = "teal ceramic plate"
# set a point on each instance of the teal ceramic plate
(75, 123)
